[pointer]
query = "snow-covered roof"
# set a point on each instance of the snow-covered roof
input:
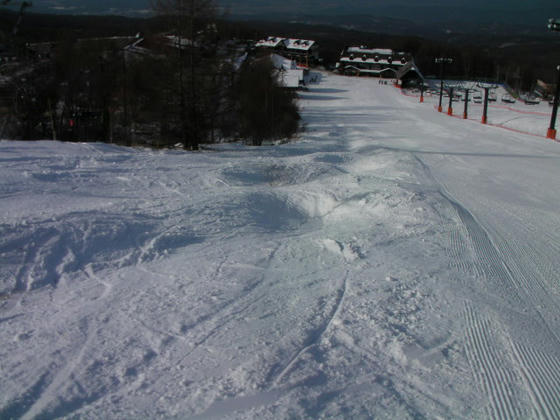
(289, 43)
(271, 42)
(409, 67)
(300, 44)
(369, 60)
(365, 50)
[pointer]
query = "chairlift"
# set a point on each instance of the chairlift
(553, 24)
(507, 98)
(531, 100)
(477, 97)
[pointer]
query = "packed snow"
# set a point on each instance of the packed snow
(392, 262)
(512, 114)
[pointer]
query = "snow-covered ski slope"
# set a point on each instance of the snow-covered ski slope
(392, 263)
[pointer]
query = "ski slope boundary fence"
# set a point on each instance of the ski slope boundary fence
(478, 107)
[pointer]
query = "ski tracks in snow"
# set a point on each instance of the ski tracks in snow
(518, 380)
(314, 338)
(541, 372)
(63, 378)
(495, 375)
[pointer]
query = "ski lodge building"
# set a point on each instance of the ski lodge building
(376, 62)
(303, 51)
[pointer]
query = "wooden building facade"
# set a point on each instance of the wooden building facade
(304, 52)
(376, 62)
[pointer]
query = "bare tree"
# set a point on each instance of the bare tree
(190, 21)
(266, 109)
(24, 5)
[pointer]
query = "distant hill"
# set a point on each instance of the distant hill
(425, 18)
(102, 7)
(534, 12)
(495, 51)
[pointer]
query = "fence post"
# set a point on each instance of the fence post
(465, 112)
(551, 133)
(485, 113)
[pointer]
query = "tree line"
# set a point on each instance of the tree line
(187, 85)
(188, 88)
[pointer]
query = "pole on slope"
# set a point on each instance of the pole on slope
(554, 26)
(442, 61)
(442, 64)
(551, 133)
(450, 107)
(466, 111)
(485, 112)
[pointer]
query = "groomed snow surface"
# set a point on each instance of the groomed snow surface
(392, 263)
(517, 116)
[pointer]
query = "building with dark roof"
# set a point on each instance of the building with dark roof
(304, 52)
(376, 62)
